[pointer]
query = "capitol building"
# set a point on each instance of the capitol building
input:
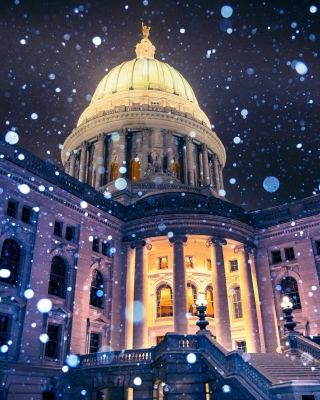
(105, 265)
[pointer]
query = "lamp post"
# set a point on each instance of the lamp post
(287, 308)
(201, 304)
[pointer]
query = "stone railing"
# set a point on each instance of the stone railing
(307, 346)
(118, 357)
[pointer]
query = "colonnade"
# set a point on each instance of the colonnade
(138, 291)
(199, 164)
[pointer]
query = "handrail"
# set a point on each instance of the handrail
(117, 357)
(306, 346)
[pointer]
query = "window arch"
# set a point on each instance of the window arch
(237, 302)
(164, 301)
(57, 282)
(191, 299)
(135, 170)
(209, 298)
(176, 169)
(289, 287)
(97, 290)
(114, 171)
(10, 260)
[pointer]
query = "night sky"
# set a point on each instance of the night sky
(255, 74)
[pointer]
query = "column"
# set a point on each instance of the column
(190, 161)
(205, 163)
(122, 150)
(129, 261)
(140, 297)
(221, 177)
(167, 143)
(83, 161)
(220, 294)
(179, 294)
(185, 162)
(200, 167)
(248, 302)
(99, 159)
(216, 171)
(146, 137)
(67, 166)
(72, 164)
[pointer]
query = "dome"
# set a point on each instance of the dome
(144, 73)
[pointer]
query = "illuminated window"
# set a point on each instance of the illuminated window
(209, 298)
(176, 169)
(188, 262)
(97, 290)
(191, 299)
(164, 301)
(237, 303)
(233, 265)
(135, 170)
(57, 282)
(289, 287)
(209, 264)
(114, 171)
(163, 262)
(10, 260)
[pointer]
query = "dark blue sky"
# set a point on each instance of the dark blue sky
(245, 62)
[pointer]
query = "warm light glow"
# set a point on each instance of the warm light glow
(201, 301)
(286, 303)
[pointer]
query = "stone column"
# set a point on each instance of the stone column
(122, 150)
(185, 162)
(248, 302)
(205, 163)
(221, 177)
(190, 161)
(99, 159)
(220, 294)
(167, 149)
(216, 172)
(200, 167)
(179, 295)
(129, 260)
(146, 138)
(72, 164)
(140, 310)
(67, 166)
(83, 161)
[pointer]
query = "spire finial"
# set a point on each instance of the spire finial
(145, 30)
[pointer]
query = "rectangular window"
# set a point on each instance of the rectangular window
(94, 342)
(188, 262)
(163, 262)
(12, 208)
(106, 249)
(57, 228)
(241, 345)
(95, 244)
(318, 247)
(4, 325)
(276, 256)
(209, 265)
(289, 253)
(233, 265)
(237, 304)
(70, 233)
(26, 214)
(52, 345)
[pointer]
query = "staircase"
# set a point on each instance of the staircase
(286, 367)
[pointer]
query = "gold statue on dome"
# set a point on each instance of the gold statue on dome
(145, 30)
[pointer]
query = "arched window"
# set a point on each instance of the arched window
(57, 282)
(237, 303)
(97, 290)
(209, 298)
(114, 171)
(135, 170)
(289, 287)
(191, 299)
(164, 301)
(176, 169)
(10, 260)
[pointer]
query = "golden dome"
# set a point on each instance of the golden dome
(144, 73)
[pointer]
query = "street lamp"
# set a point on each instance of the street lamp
(201, 304)
(287, 308)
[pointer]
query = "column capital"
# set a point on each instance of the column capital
(178, 238)
(243, 248)
(204, 147)
(188, 139)
(216, 242)
(146, 131)
(101, 137)
(84, 145)
(123, 132)
(72, 155)
(138, 243)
